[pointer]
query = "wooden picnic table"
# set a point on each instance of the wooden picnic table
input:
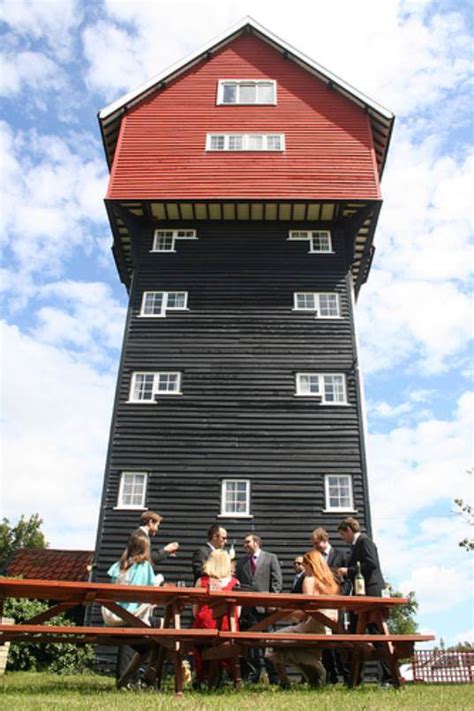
(232, 644)
(375, 610)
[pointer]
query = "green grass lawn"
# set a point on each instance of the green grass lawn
(30, 691)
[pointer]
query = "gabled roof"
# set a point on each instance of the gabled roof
(381, 119)
(50, 564)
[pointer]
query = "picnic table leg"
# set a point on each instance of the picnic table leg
(178, 671)
(235, 659)
(354, 677)
(158, 669)
(387, 651)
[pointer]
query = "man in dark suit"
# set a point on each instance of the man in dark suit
(259, 571)
(364, 551)
(216, 539)
(297, 584)
(150, 523)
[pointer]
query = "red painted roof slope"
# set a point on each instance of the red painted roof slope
(50, 564)
(161, 149)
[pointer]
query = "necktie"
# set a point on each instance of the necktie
(253, 564)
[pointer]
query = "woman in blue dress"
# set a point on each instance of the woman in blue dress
(133, 568)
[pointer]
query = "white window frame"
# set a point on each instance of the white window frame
(174, 235)
(155, 391)
(308, 235)
(235, 514)
(123, 476)
(321, 395)
(164, 303)
(317, 303)
(327, 499)
(238, 83)
(245, 142)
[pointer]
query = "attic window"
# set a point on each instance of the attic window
(246, 92)
(245, 142)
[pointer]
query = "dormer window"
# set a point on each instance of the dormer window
(246, 92)
(245, 142)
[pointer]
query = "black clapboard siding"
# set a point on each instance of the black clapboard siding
(238, 348)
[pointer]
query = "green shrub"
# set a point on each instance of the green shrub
(57, 658)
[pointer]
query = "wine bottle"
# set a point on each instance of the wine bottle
(359, 582)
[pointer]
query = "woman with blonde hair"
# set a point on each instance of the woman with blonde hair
(318, 580)
(217, 576)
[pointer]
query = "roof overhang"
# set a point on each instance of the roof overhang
(359, 216)
(381, 119)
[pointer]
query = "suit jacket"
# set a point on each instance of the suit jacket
(156, 556)
(365, 552)
(297, 584)
(200, 556)
(336, 558)
(267, 576)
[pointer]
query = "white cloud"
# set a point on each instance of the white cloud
(88, 319)
(52, 199)
(410, 405)
(414, 469)
(31, 70)
(53, 21)
(418, 321)
(438, 587)
(57, 413)
(415, 474)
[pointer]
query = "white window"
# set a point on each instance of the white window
(245, 142)
(235, 497)
(246, 91)
(146, 386)
(324, 305)
(338, 492)
(330, 388)
(132, 490)
(165, 240)
(157, 303)
(319, 240)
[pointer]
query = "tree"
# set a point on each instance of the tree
(26, 534)
(402, 617)
(467, 512)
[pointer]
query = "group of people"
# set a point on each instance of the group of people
(323, 570)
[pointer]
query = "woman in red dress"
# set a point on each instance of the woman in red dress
(217, 576)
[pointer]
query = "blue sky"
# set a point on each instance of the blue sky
(64, 308)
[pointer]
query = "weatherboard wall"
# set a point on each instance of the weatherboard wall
(329, 148)
(238, 349)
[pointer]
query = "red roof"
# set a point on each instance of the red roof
(50, 564)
